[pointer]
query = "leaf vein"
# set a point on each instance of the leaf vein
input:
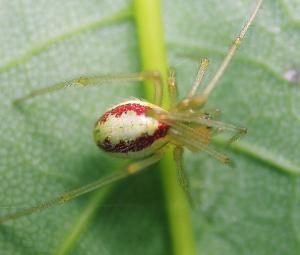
(263, 156)
(121, 16)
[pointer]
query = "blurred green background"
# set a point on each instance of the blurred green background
(47, 146)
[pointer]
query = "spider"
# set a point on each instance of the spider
(141, 130)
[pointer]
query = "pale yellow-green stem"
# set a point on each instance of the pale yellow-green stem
(153, 57)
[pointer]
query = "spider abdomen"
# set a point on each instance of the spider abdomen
(125, 130)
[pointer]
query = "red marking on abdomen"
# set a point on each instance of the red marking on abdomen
(138, 144)
(119, 110)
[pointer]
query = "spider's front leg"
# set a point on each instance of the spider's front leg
(195, 102)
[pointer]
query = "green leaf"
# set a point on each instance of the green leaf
(47, 145)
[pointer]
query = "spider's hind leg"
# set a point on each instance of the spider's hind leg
(131, 169)
(153, 76)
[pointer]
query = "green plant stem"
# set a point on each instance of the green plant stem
(153, 56)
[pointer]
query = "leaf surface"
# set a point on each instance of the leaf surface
(47, 145)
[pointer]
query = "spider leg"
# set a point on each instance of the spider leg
(200, 75)
(181, 175)
(166, 117)
(185, 102)
(172, 87)
(153, 76)
(197, 101)
(194, 139)
(202, 120)
(131, 169)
